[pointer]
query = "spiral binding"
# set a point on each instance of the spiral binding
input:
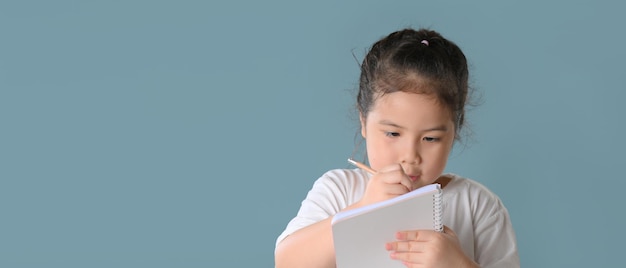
(438, 209)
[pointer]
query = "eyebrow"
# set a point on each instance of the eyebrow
(392, 124)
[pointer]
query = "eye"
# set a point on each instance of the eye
(392, 134)
(431, 139)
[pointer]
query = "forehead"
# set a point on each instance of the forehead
(410, 108)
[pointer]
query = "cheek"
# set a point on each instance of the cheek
(438, 158)
(440, 163)
(378, 152)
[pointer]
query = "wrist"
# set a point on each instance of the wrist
(358, 204)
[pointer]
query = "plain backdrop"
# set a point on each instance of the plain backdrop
(186, 133)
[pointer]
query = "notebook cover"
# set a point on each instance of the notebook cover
(360, 235)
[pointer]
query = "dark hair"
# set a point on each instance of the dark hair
(422, 62)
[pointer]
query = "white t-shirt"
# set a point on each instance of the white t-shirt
(472, 211)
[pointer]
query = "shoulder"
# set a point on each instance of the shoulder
(343, 179)
(339, 188)
(459, 184)
(479, 197)
(344, 175)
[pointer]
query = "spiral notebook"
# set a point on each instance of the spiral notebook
(359, 235)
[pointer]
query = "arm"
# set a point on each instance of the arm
(311, 246)
(309, 241)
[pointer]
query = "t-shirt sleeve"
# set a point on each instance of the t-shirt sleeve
(328, 196)
(495, 241)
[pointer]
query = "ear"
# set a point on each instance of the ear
(362, 119)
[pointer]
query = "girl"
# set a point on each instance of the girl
(412, 93)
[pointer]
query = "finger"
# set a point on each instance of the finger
(389, 168)
(396, 189)
(417, 235)
(406, 182)
(395, 174)
(406, 246)
(410, 259)
(399, 177)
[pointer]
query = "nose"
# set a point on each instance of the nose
(411, 154)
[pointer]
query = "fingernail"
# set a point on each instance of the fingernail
(399, 235)
(388, 246)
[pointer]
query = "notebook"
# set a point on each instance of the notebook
(359, 235)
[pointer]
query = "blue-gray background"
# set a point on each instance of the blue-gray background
(186, 133)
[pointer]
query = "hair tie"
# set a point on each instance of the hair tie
(425, 42)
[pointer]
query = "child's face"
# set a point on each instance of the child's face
(413, 130)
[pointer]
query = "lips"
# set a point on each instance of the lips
(414, 178)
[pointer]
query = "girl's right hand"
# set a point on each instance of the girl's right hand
(388, 182)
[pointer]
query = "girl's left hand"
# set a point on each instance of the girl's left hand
(423, 248)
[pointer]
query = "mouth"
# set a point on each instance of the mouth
(414, 178)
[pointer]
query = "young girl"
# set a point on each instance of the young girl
(412, 93)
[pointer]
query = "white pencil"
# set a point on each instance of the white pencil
(361, 166)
